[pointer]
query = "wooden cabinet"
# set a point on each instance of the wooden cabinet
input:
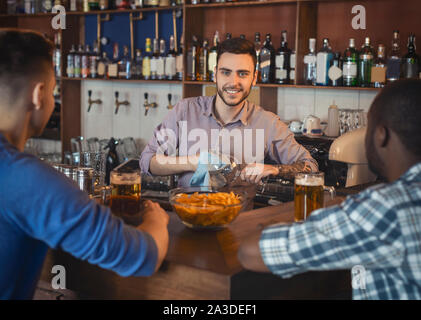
(301, 18)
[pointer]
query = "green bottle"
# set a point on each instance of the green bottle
(365, 64)
(350, 65)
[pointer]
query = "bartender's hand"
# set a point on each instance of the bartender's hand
(155, 222)
(255, 172)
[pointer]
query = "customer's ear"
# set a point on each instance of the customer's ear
(38, 91)
(382, 136)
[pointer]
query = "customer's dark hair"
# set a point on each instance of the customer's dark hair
(24, 55)
(398, 107)
(238, 46)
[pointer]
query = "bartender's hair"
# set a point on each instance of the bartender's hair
(398, 107)
(24, 55)
(237, 46)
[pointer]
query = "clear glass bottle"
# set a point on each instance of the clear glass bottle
(393, 71)
(77, 64)
(70, 70)
(124, 65)
(310, 66)
(267, 61)
(170, 60)
(85, 62)
(154, 59)
(57, 54)
(378, 71)
(146, 64)
(213, 56)
(203, 74)
(282, 61)
(410, 67)
(137, 65)
(350, 65)
(335, 71)
(324, 61)
(365, 64)
(103, 66)
(113, 65)
(93, 61)
(160, 63)
(258, 47)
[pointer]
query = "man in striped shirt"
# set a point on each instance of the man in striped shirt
(377, 230)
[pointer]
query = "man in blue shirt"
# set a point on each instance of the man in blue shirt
(40, 207)
(378, 230)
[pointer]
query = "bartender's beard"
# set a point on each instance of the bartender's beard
(233, 103)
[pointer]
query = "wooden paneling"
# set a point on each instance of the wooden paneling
(269, 99)
(70, 112)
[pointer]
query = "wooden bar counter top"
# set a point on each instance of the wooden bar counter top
(204, 265)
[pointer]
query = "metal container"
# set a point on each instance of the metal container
(84, 179)
(70, 172)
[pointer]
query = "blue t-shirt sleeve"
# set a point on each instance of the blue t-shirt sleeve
(49, 207)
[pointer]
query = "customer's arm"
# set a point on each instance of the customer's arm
(360, 231)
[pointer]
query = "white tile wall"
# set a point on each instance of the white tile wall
(130, 121)
(101, 122)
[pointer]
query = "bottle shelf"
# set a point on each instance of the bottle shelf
(239, 4)
(298, 86)
(95, 12)
(123, 80)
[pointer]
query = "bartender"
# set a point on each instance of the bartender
(226, 122)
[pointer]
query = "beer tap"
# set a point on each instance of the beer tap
(119, 103)
(170, 106)
(91, 102)
(148, 105)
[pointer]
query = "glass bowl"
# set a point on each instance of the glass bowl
(206, 207)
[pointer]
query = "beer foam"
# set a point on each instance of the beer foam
(310, 181)
(125, 179)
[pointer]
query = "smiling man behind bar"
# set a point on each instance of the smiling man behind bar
(40, 207)
(377, 230)
(227, 115)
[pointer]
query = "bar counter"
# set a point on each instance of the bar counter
(204, 265)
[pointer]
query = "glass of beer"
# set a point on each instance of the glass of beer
(125, 195)
(308, 194)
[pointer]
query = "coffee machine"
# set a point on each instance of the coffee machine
(349, 149)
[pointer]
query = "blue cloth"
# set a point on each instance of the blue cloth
(377, 231)
(41, 208)
(208, 161)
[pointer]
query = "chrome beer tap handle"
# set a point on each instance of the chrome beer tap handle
(119, 103)
(91, 102)
(148, 105)
(170, 106)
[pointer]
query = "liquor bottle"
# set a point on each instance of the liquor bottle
(93, 61)
(365, 64)
(192, 59)
(123, 5)
(160, 63)
(393, 71)
(124, 65)
(77, 64)
(267, 61)
(154, 59)
(379, 69)
(310, 68)
(179, 64)
(170, 61)
(138, 4)
(103, 66)
(85, 62)
(292, 60)
(213, 57)
(350, 65)
(146, 64)
(203, 74)
(258, 47)
(335, 71)
(151, 3)
(70, 70)
(74, 5)
(410, 67)
(282, 61)
(113, 65)
(103, 5)
(137, 65)
(57, 54)
(324, 61)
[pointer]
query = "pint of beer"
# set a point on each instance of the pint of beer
(308, 194)
(125, 193)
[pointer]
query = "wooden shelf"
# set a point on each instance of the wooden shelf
(298, 86)
(238, 4)
(123, 80)
(80, 13)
